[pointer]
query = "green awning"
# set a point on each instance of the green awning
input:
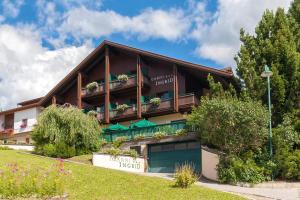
(142, 123)
(115, 127)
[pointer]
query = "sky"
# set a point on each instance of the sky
(42, 40)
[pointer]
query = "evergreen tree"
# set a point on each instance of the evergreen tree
(275, 44)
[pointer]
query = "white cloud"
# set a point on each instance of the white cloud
(27, 70)
(166, 24)
(218, 34)
(11, 8)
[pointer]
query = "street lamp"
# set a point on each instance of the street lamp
(267, 74)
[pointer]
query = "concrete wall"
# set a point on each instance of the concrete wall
(210, 160)
(124, 163)
(20, 147)
(29, 114)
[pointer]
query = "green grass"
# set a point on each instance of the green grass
(94, 183)
(86, 159)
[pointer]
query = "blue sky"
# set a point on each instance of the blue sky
(41, 41)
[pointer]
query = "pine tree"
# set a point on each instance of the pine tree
(275, 44)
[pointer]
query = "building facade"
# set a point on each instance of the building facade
(16, 124)
(124, 85)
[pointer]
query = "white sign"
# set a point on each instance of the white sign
(125, 163)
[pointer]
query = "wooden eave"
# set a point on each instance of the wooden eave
(73, 74)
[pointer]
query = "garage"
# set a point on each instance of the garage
(163, 158)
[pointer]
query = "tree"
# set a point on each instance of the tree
(65, 132)
(275, 44)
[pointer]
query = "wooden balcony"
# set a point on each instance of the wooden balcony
(98, 91)
(128, 113)
(100, 116)
(164, 106)
(119, 85)
(187, 101)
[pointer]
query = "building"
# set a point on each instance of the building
(17, 123)
(125, 85)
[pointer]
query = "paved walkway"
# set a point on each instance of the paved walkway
(278, 191)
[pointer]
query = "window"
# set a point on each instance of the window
(24, 123)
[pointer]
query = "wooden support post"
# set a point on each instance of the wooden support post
(79, 88)
(54, 100)
(139, 87)
(107, 88)
(175, 90)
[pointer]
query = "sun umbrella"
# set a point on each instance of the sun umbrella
(142, 123)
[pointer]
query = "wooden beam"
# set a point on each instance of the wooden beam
(79, 88)
(175, 89)
(139, 87)
(54, 100)
(107, 92)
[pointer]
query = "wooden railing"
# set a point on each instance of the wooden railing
(116, 84)
(163, 106)
(188, 100)
(115, 114)
(98, 90)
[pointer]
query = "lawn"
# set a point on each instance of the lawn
(88, 182)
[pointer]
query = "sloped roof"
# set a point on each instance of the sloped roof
(92, 55)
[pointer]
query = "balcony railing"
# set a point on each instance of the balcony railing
(188, 100)
(163, 106)
(117, 85)
(115, 114)
(148, 132)
(98, 90)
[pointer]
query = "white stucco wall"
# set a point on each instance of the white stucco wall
(29, 114)
(210, 161)
(124, 163)
(1, 122)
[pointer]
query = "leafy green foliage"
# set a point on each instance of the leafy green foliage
(91, 87)
(119, 141)
(122, 107)
(16, 181)
(185, 176)
(159, 135)
(5, 148)
(65, 132)
(155, 101)
(229, 124)
(122, 78)
(276, 44)
(118, 152)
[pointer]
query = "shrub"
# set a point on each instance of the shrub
(181, 132)
(159, 135)
(233, 169)
(138, 137)
(91, 87)
(291, 166)
(122, 107)
(155, 101)
(17, 181)
(231, 125)
(70, 131)
(118, 152)
(122, 78)
(119, 141)
(185, 176)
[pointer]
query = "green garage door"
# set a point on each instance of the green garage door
(163, 158)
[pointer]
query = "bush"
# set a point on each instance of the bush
(155, 101)
(181, 132)
(122, 78)
(231, 125)
(291, 166)
(138, 137)
(185, 176)
(17, 181)
(118, 152)
(91, 87)
(119, 141)
(233, 169)
(122, 107)
(65, 132)
(159, 135)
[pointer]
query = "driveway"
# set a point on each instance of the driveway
(266, 191)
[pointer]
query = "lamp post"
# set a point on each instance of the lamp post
(267, 73)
